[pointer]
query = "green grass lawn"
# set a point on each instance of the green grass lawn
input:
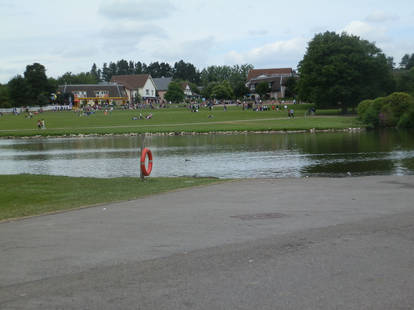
(27, 195)
(172, 120)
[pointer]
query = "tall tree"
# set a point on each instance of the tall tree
(341, 70)
(4, 97)
(122, 67)
(106, 73)
(186, 71)
(95, 73)
(36, 79)
(20, 92)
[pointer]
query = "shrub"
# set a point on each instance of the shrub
(396, 109)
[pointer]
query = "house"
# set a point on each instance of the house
(162, 85)
(137, 84)
(95, 93)
(187, 89)
(275, 78)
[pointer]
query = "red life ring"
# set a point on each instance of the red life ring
(146, 172)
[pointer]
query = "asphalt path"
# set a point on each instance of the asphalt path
(311, 243)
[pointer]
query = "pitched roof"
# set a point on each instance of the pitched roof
(132, 81)
(162, 83)
(114, 90)
(257, 72)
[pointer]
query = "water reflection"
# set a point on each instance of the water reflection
(224, 156)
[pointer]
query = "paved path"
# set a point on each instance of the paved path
(316, 243)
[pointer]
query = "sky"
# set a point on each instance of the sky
(69, 36)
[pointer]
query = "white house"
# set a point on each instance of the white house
(134, 84)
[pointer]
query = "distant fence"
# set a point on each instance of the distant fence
(37, 109)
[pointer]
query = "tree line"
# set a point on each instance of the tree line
(337, 71)
(34, 87)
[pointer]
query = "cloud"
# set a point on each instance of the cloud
(129, 34)
(285, 53)
(136, 9)
(367, 31)
(194, 51)
(380, 17)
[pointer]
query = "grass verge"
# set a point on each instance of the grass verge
(27, 195)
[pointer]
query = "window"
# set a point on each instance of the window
(102, 93)
(147, 92)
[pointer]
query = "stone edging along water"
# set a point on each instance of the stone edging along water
(190, 133)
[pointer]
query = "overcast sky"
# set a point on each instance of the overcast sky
(72, 35)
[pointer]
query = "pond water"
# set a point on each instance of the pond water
(222, 156)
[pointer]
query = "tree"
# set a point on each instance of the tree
(106, 73)
(174, 93)
(186, 71)
(262, 89)
(122, 67)
(405, 80)
(4, 97)
(342, 70)
(240, 90)
(291, 87)
(407, 62)
(36, 79)
(235, 74)
(222, 91)
(95, 73)
(207, 90)
(19, 92)
(80, 78)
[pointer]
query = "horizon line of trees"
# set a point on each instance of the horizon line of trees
(338, 70)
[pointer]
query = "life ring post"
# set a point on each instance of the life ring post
(144, 170)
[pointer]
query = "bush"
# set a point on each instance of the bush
(407, 120)
(396, 109)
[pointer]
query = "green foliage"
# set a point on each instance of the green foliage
(262, 89)
(405, 80)
(236, 74)
(96, 74)
(174, 93)
(208, 90)
(137, 98)
(194, 88)
(186, 71)
(19, 92)
(80, 78)
(222, 90)
(240, 90)
(4, 97)
(291, 87)
(407, 62)
(396, 109)
(342, 70)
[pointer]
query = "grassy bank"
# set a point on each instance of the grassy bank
(27, 195)
(172, 120)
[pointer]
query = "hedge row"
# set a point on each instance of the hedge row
(395, 110)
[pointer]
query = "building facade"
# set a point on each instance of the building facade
(275, 78)
(137, 84)
(95, 94)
